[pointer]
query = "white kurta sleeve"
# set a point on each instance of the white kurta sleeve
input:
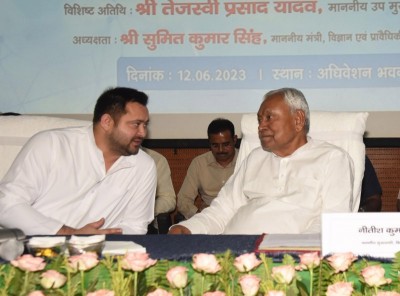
(337, 189)
(213, 219)
(338, 185)
(22, 185)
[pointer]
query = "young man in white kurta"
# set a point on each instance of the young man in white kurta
(59, 178)
(86, 180)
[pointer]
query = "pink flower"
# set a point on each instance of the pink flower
(283, 274)
(178, 276)
(374, 276)
(102, 292)
(246, 262)
(341, 261)
(275, 293)
(386, 293)
(36, 293)
(207, 263)
(52, 279)
(159, 292)
(29, 263)
(215, 293)
(83, 261)
(137, 261)
(340, 289)
(309, 260)
(249, 284)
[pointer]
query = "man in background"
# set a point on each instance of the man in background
(165, 195)
(284, 185)
(85, 180)
(208, 172)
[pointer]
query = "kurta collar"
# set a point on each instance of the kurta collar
(121, 163)
(298, 150)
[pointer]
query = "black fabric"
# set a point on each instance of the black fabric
(151, 229)
(183, 247)
(179, 218)
(370, 183)
(164, 222)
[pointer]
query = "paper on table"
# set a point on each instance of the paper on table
(46, 241)
(364, 234)
(121, 247)
(291, 242)
(87, 240)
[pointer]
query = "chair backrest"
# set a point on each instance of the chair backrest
(343, 129)
(15, 131)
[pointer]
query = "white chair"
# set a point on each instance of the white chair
(343, 129)
(16, 130)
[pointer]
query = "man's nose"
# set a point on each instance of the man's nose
(262, 124)
(142, 130)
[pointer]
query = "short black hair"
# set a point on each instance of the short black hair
(113, 101)
(220, 125)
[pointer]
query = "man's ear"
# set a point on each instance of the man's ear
(106, 122)
(299, 120)
(235, 139)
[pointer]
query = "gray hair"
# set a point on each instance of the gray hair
(295, 100)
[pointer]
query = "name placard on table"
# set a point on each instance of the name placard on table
(365, 234)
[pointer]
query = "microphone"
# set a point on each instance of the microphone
(11, 243)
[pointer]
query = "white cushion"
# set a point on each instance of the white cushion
(343, 129)
(16, 130)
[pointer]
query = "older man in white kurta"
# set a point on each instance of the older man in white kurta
(287, 197)
(284, 186)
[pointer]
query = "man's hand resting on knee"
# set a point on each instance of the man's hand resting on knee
(179, 229)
